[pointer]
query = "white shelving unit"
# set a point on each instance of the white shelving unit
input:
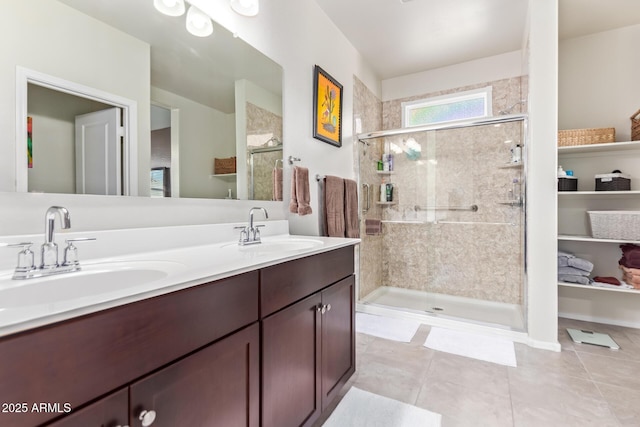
(597, 303)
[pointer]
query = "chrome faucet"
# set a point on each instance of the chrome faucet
(49, 264)
(49, 250)
(251, 234)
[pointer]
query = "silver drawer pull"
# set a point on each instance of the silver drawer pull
(328, 307)
(147, 417)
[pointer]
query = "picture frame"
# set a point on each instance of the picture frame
(327, 108)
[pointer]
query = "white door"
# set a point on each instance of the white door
(99, 153)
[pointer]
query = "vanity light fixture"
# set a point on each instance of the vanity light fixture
(198, 23)
(170, 7)
(245, 7)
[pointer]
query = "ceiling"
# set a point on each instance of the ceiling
(399, 37)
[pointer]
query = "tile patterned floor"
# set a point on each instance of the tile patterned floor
(583, 385)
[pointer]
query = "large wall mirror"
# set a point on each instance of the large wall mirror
(183, 107)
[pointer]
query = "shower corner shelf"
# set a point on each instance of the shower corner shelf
(386, 203)
(222, 175)
(385, 172)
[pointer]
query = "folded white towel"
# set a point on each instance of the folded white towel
(580, 263)
(572, 270)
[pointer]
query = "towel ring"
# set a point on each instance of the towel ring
(275, 165)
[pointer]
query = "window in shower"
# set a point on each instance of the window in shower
(470, 104)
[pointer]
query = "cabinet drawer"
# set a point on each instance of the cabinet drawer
(80, 359)
(110, 411)
(286, 283)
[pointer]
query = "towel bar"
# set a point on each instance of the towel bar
(472, 208)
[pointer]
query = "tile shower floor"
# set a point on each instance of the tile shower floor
(583, 385)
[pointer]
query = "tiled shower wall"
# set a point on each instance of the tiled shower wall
(263, 122)
(461, 167)
(368, 109)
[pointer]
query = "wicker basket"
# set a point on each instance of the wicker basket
(635, 126)
(586, 136)
(224, 166)
(619, 225)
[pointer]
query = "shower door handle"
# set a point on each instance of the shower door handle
(368, 198)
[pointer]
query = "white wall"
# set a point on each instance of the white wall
(468, 73)
(205, 133)
(599, 81)
(61, 42)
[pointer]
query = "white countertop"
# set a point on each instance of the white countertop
(163, 259)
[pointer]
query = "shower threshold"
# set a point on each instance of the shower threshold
(496, 314)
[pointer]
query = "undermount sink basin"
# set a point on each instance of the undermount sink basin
(268, 246)
(94, 279)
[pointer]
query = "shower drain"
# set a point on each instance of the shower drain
(437, 308)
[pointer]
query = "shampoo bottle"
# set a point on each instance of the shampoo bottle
(383, 191)
(389, 192)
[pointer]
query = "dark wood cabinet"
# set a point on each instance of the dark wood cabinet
(111, 411)
(338, 338)
(216, 387)
(290, 369)
(308, 353)
(269, 347)
(79, 360)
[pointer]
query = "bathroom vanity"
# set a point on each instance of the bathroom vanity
(270, 343)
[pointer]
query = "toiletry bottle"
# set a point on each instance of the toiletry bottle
(390, 159)
(389, 192)
(383, 191)
(385, 162)
(561, 172)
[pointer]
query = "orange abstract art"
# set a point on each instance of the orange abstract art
(327, 108)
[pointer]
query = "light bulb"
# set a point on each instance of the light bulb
(170, 7)
(245, 7)
(198, 23)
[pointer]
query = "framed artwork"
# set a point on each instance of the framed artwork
(327, 108)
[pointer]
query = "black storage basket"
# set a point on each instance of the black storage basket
(567, 184)
(613, 184)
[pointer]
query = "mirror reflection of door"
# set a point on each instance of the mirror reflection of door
(160, 151)
(53, 115)
(98, 152)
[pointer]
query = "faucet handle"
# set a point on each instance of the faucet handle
(71, 252)
(256, 232)
(25, 256)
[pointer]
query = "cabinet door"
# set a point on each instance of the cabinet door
(216, 386)
(112, 411)
(338, 338)
(290, 365)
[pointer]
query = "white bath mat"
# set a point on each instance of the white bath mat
(359, 408)
(386, 327)
(476, 346)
